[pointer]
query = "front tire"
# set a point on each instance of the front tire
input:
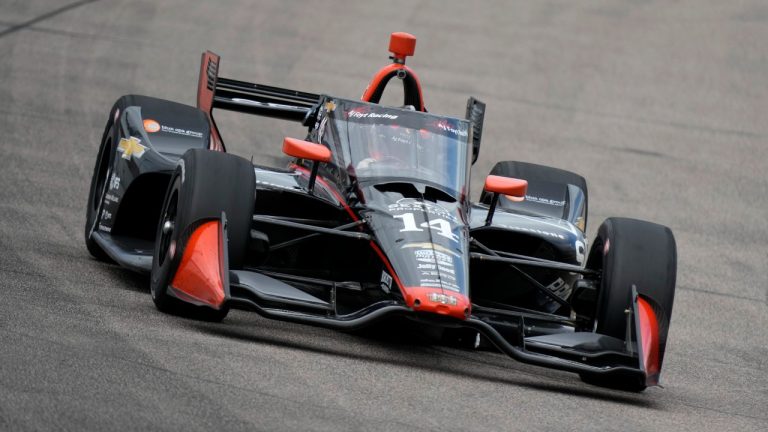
(629, 253)
(205, 184)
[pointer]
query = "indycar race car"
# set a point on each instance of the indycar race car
(372, 220)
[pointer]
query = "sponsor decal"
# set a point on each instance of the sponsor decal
(430, 246)
(386, 282)
(106, 215)
(151, 126)
(114, 182)
(545, 201)
(444, 125)
(414, 205)
(433, 256)
(358, 115)
(560, 288)
(450, 271)
(110, 198)
(442, 298)
(131, 147)
(436, 268)
(449, 277)
(180, 131)
(105, 228)
(450, 287)
(433, 281)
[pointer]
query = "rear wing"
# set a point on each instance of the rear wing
(245, 97)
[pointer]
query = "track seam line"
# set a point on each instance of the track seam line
(44, 17)
(715, 293)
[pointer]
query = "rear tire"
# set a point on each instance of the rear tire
(205, 184)
(536, 175)
(99, 185)
(632, 252)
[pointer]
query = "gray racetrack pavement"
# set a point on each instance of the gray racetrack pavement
(660, 105)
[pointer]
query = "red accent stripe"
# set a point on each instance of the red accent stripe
(330, 189)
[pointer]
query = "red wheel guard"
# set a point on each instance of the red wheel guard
(198, 279)
(647, 328)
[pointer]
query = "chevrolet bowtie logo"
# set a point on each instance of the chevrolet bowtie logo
(131, 147)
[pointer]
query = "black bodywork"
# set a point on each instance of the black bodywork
(334, 255)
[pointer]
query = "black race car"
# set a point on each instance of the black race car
(372, 219)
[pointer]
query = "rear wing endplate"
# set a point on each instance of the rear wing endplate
(245, 97)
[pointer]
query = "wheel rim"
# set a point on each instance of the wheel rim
(168, 227)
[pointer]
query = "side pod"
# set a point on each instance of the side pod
(202, 277)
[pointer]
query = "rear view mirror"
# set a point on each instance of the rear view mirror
(506, 185)
(306, 150)
(513, 188)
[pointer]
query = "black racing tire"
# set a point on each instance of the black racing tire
(99, 185)
(536, 173)
(205, 184)
(638, 253)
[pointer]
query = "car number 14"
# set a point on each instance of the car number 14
(442, 226)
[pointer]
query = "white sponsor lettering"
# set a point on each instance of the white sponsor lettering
(414, 205)
(356, 114)
(442, 298)
(180, 131)
(386, 281)
(454, 131)
(544, 201)
(114, 182)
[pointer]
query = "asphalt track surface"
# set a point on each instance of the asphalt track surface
(660, 105)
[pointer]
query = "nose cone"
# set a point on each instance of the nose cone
(437, 300)
(427, 245)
